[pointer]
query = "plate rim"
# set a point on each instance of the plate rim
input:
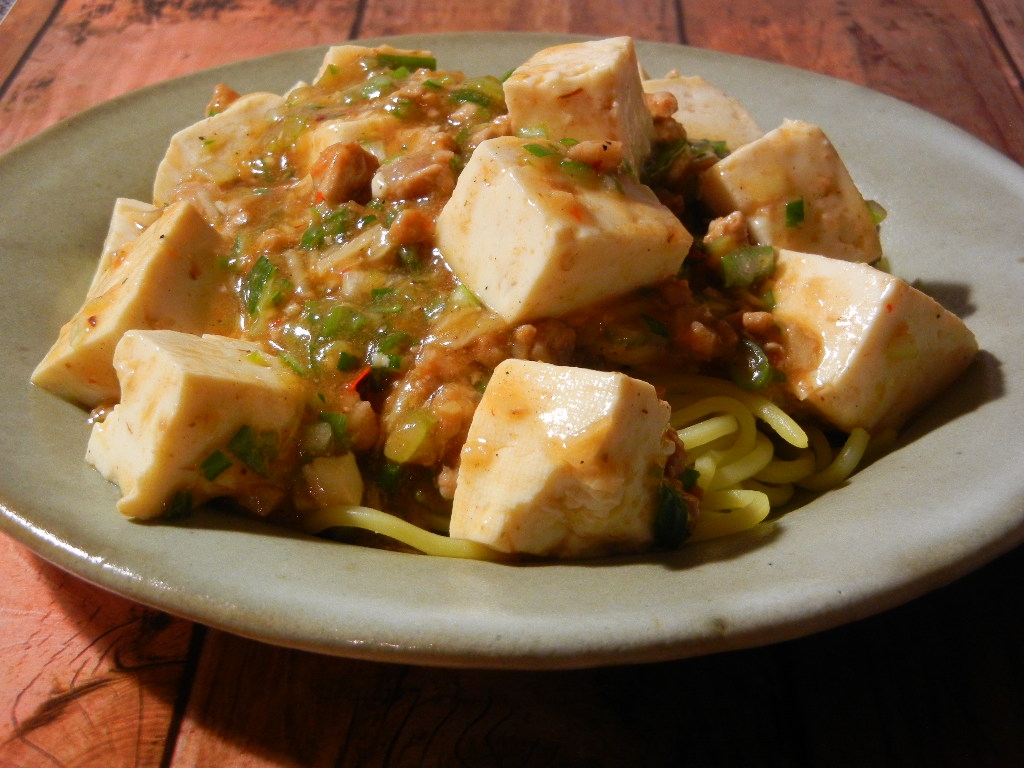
(489, 652)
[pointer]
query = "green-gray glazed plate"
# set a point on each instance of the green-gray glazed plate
(947, 500)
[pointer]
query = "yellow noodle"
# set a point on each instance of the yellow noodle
(822, 448)
(706, 466)
(789, 471)
(748, 465)
(770, 413)
(745, 510)
(398, 529)
(843, 464)
(777, 494)
(745, 436)
(707, 431)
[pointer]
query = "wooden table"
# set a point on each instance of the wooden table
(91, 679)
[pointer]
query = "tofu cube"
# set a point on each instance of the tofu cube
(707, 112)
(562, 462)
(167, 277)
(129, 219)
(531, 241)
(796, 163)
(217, 147)
(380, 132)
(204, 415)
(583, 91)
(864, 348)
(343, 63)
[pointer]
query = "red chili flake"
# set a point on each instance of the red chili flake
(363, 373)
(92, 320)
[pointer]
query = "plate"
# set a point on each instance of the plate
(947, 500)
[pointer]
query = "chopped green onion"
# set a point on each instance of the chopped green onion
(339, 429)
(348, 362)
(745, 266)
(254, 449)
(408, 61)
(407, 438)
(215, 464)
(657, 327)
(540, 150)
(484, 91)
(342, 321)
(663, 159)
(689, 478)
(750, 367)
(474, 97)
(394, 341)
(576, 170)
(389, 477)
(795, 213)
(400, 107)
(672, 519)
(261, 286)
(180, 506)
(878, 213)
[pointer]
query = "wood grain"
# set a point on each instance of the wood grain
(88, 678)
(642, 19)
(18, 32)
(925, 685)
(938, 54)
(94, 50)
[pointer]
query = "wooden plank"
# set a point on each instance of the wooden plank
(24, 22)
(336, 712)
(642, 19)
(143, 43)
(1007, 19)
(903, 687)
(88, 678)
(938, 54)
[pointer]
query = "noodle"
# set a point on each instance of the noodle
(739, 477)
(398, 529)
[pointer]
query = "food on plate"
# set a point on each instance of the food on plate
(565, 313)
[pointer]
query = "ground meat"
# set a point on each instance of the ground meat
(701, 336)
(732, 226)
(222, 98)
(343, 172)
(362, 424)
(662, 106)
(453, 405)
(416, 175)
(602, 156)
(411, 226)
(547, 341)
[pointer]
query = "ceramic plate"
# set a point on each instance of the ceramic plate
(948, 499)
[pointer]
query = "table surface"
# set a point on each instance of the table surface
(92, 679)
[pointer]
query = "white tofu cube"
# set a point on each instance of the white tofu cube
(344, 61)
(204, 415)
(380, 132)
(583, 91)
(167, 277)
(217, 147)
(707, 112)
(129, 219)
(865, 349)
(532, 242)
(562, 462)
(795, 164)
